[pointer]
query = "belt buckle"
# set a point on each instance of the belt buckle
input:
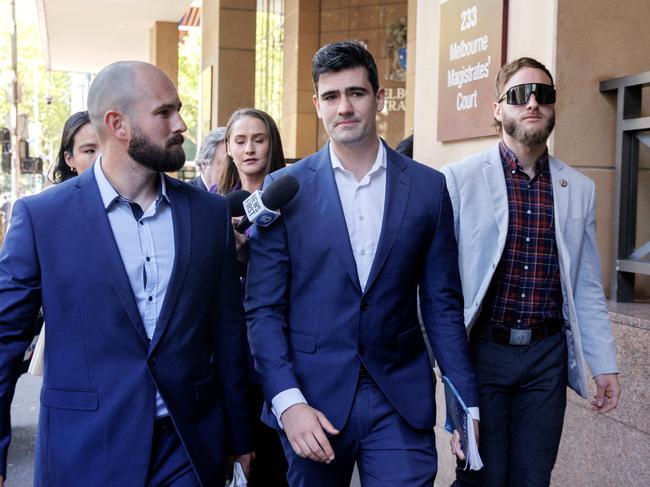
(520, 337)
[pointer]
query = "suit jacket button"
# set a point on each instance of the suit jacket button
(152, 360)
(364, 306)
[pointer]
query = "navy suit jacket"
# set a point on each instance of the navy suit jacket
(309, 324)
(198, 182)
(101, 373)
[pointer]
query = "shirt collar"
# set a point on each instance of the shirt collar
(511, 162)
(380, 159)
(109, 194)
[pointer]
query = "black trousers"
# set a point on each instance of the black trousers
(270, 465)
(522, 398)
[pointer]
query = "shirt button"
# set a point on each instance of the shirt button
(523, 295)
(518, 321)
(150, 298)
(525, 267)
(148, 259)
(513, 171)
(363, 252)
(527, 239)
(361, 217)
(529, 212)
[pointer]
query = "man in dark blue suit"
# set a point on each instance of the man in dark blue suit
(332, 297)
(145, 365)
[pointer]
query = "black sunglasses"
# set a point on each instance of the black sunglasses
(519, 94)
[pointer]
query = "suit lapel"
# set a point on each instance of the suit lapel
(496, 184)
(332, 217)
(398, 186)
(181, 217)
(101, 235)
(561, 188)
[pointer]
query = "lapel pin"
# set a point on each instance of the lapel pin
(564, 183)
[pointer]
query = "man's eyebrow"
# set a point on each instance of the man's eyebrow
(165, 106)
(328, 93)
(356, 88)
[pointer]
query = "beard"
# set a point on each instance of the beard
(169, 158)
(527, 137)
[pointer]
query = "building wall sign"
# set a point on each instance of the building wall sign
(472, 40)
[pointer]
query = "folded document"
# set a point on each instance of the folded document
(459, 418)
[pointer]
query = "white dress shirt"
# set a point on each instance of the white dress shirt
(363, 207)
(145, 240)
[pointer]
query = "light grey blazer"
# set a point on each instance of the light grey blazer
(478, 194)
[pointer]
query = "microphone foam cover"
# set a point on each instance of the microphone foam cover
(280, 192)
(235, 200)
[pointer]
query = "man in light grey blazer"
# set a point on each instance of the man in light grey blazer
(534, 303)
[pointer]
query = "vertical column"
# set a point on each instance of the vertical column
(163, 48)
(409, 116)
(228, 45)
(299, 124)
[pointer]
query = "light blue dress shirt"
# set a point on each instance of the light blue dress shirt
(145, 239)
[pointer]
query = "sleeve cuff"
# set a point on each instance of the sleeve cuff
(284, 400)
(474, 413)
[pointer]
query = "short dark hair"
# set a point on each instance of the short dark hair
(338, 56)
(509, 70)
(230, 175)
(61, 171)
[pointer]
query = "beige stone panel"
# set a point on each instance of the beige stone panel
(329, 4)
(309, 21)
(288, 134)
(334, 20)
(596, 40)
(235, 91)
(237, 29)
(210, 33)
(163, 48)
(531, 30)
(409, 116)
(238, 4)
(598, 451)
(361, 3)
(327, 37)
(307, 127)
(388, 14)
(364, 17)
(604, 180)
(309, 44)
(299, 102)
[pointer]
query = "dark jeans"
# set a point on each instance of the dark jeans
(522, 398)
(270, 465)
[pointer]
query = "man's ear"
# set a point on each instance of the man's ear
(381, 99)
(116, 124)
(496, 108)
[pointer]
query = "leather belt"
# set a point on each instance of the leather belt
(520, 336)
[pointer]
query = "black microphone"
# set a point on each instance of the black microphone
(235, 200)
(262, 206)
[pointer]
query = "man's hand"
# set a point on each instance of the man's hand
(246, 462)
(2, 481)
(241, 242)
(456, 447)
(304, 427)
(608, 391)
